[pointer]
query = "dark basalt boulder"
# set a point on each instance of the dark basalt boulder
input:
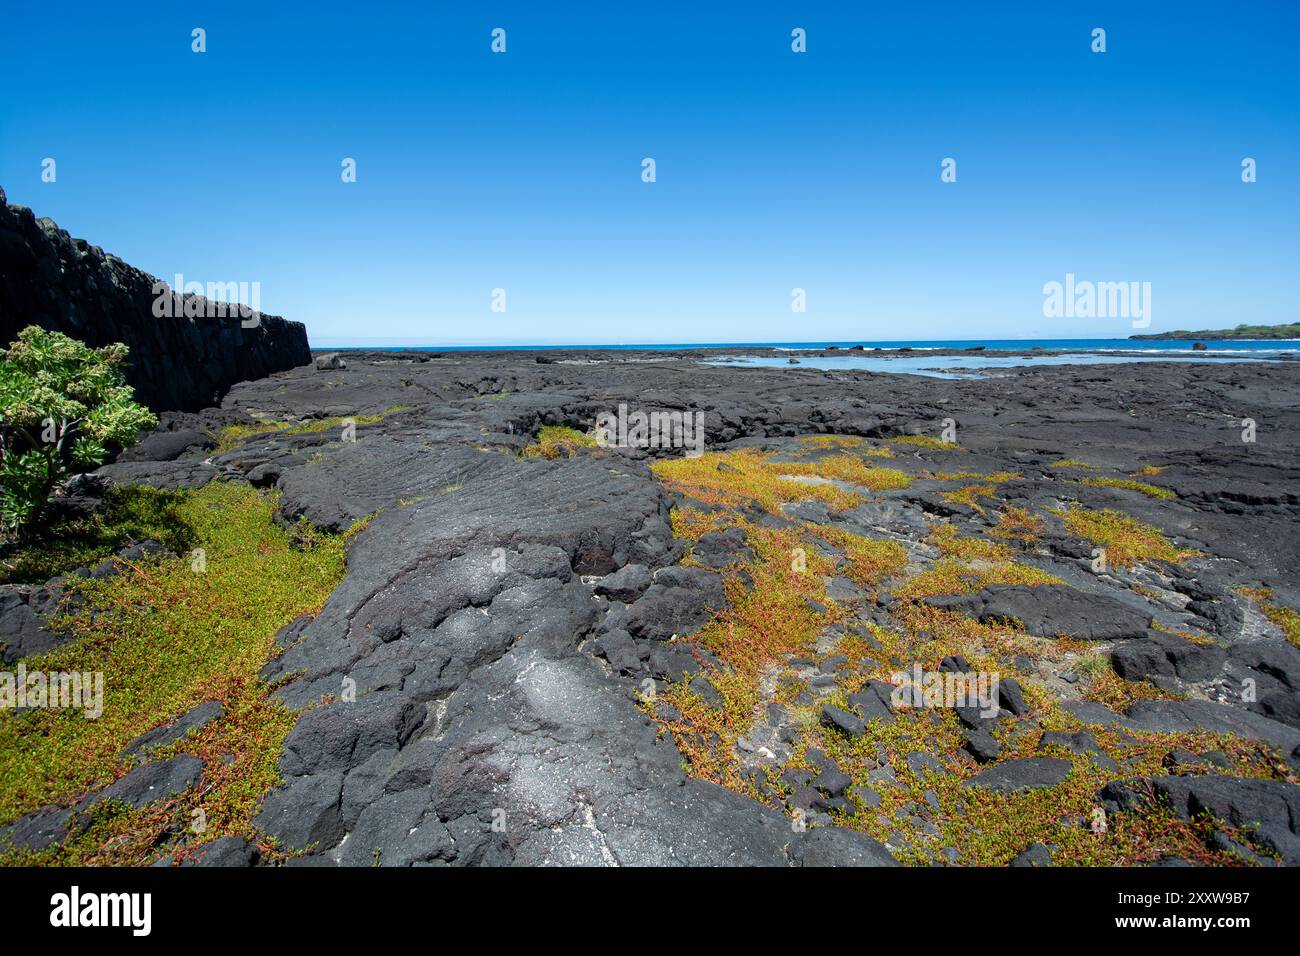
(358, 478)
(224, 851)
(194, 720)
(1049, 610)
(167, 445)
(847, 723)
(1275, 660)
(836, 846)
(717, 549)
(680, 601)
(874, 700)
(150, 783)
(1167, 655)
(1181, 716)
(146, 784)
(1270, 809)
(981, 745)
(1025, 773)
(626, 584)
(707, 691)
(24, 610)
(1012, 697)
(624, 654)
(37, 830)
(398, 829)
(305, 811)
(1280, 705)
(167, 475)
(1036, 854)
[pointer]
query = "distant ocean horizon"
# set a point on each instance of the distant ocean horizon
(995, 345)
(976, 358)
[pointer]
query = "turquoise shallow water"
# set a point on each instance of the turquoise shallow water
(968, 366)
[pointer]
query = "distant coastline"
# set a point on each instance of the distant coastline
(1268, 333)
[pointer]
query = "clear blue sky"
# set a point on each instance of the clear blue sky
(775, 170)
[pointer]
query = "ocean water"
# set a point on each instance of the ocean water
(974, 364)
(993, 345)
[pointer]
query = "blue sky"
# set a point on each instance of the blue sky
(775, 170)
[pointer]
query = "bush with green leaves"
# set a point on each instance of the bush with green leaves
(63, 404)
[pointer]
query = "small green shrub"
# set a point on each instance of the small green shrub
(62, 405)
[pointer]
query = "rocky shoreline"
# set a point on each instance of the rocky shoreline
(528, 660)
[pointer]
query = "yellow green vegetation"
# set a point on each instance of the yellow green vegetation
(168, 634)
(772, 616)
(949, 541)
(951, 575)
(926, 441)
(833, 441)
(693, 523)
(869, 560)
(1151, 491)
(990, 829)
(1070, 463)
(1018, 524)
(1190, 636)
(847, 441)
(558, 441)
(985, 487)
(1127, 541)
(970, 495)
(926, 635)
(777, 605)
(765, 620)
(778, 609)
(735, 478)
(1107, 687)
(850, 469)
(1284, 617)
(738, 477)
(997, 477)
(232, 436)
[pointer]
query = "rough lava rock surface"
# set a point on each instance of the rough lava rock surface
(469, 691)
